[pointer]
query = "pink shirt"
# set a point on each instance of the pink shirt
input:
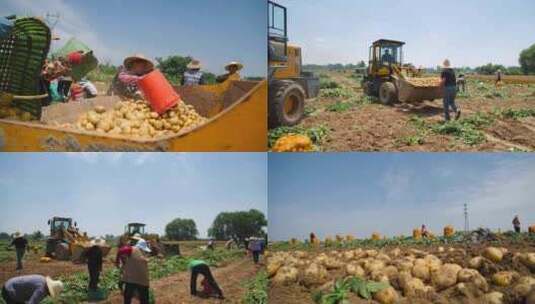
(128, 78)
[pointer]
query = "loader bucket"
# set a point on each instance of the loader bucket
(78, 250)
(236, 112)
(410, 93)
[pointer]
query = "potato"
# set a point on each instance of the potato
(415, 286)
(494, 254)
(494, 297)
(528, 259)
(445, 276)
(386, 296)
(504, 278)
(421, 271)
(476, 262)
(100, 109)
(93, 117)
(314, 274)
(354, 269)
(285, 275)
(466, 274)
(374, 265)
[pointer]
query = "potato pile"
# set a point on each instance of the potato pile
(135, 118)
(293, 143)
(15, 113)
(424, 82)
(413, 273)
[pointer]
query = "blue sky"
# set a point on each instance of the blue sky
(359, 193)
(211, 30)
(468, 32)
(104, 191)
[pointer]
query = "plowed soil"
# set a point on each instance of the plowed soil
(377, 127)
(175, 289)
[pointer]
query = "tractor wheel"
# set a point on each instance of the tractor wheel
(367, 88)
(286, 103)
(388, 93)
(62, 252)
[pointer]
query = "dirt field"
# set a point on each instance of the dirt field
(175, 289)
(356, 123)
(466, 292)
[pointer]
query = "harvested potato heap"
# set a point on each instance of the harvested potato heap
(135, 118)
(15, 113)
(424, 82)
(487, 277)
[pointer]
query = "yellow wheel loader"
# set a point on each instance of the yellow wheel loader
(66, 242)
(157, 246)
(389, 79)
(289, 85)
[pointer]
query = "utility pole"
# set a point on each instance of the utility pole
(466, 224)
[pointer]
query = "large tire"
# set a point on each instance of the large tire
(388, 93)
(62, 252)
(286, 105)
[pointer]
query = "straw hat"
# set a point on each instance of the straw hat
(194, 65)
(16, 234)
(54, 287)
(236, 63)
(97, 242)
(142, 244)
(128, 61)
(136, 237)
(446, 63)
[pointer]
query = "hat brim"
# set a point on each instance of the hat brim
(51, 290)
(193, 66)
(238, 65)
(130, 60)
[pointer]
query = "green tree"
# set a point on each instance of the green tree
(514, 70)
(37, 236)
(238, 225)
(173, 67)
(4, 236)
(527, 60)
(361, 64)
(181, 230)
(489, 69)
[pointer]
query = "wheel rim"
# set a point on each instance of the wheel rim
(291, 105)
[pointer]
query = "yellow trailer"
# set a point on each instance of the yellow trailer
(236, 112)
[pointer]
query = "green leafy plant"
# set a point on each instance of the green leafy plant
(257, 289)
(339, 106)
(342, 288)
(337, 92)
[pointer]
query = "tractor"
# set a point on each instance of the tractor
(66, 242)
(389, 79)
(157, 246)
(289, 85)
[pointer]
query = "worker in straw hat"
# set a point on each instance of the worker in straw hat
(93, 256)
(232, 68)
(135, 271)
(193, 74)
(21, 246)
(449, 85)
(30, 289)
(125, 82)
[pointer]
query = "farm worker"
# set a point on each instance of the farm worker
(94, 262)
(31, 289)
(424, 231)
(21, 246)
(461, 83)
(312, 238)
(516, 224)
(232, 67)
(134, 67)
(135, 272)
(498, 77)
(89, 88)
(255, 246)
(200, 267)
(448, 83)
(387, 57)
(210, 244)
(193, 74)
(229, 244)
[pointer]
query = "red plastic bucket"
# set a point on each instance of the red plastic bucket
(158, 91)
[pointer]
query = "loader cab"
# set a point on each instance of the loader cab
(60, 223)
(277, 33)
(383, 55)
(133, 228)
